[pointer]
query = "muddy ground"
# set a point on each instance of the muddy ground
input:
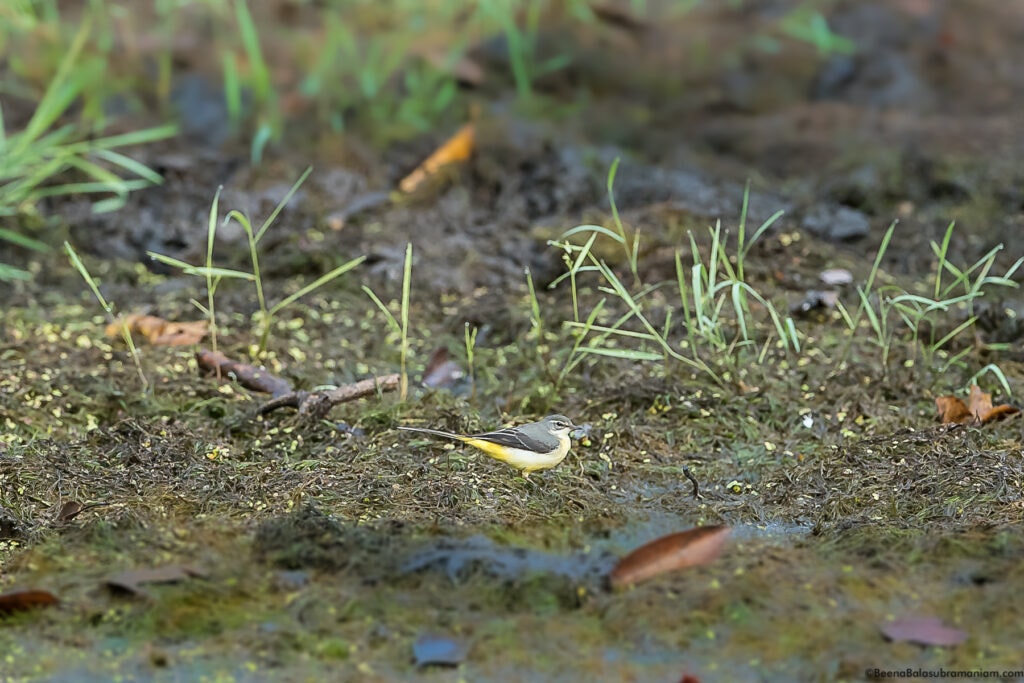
(329, 549)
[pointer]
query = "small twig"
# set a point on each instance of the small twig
(318, 403)
(696, 486)
(249, 376)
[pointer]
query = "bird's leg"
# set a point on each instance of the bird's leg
(530, 483)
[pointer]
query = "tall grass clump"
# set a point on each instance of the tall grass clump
(892, 314)
(49, 159)
(213, 275)
(720, 321)
(712, 330)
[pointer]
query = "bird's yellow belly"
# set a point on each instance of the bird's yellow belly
(526, 461)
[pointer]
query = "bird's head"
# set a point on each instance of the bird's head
(559, 425)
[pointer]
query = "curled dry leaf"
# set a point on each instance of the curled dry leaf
(131, 581)
(158, 331)
(978, 409)
(922, 630)
(457, 148)
(72, 508)
(952, 409)
(69, 510)
(247, 375)
(690, 548)
(441, 372)
(23, 600)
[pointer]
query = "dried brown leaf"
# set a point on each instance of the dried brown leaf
(69, 510)
(72, 508)
(457, 148)
(952, 409)
(999, 412)
(979, 403)
(923, 630)
(691, 548)
(132, 580)
(441, 371)
(23, 600)
(158, 331)
(978, 410)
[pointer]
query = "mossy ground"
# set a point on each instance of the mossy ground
(327, 547)
(852, 506)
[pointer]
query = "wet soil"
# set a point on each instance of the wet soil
(328, 548)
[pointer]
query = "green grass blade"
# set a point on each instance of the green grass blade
(593, 228)
(319, 282)
(625, 354)
(23, 241)
(287, 198)
(388, 315)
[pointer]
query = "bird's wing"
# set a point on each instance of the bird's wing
(514, 438)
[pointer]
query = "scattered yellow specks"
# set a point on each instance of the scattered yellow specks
(217, 452)
(769, 446)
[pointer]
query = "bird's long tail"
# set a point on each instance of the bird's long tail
(447, 435)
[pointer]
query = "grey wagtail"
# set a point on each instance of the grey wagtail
(528, 448)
